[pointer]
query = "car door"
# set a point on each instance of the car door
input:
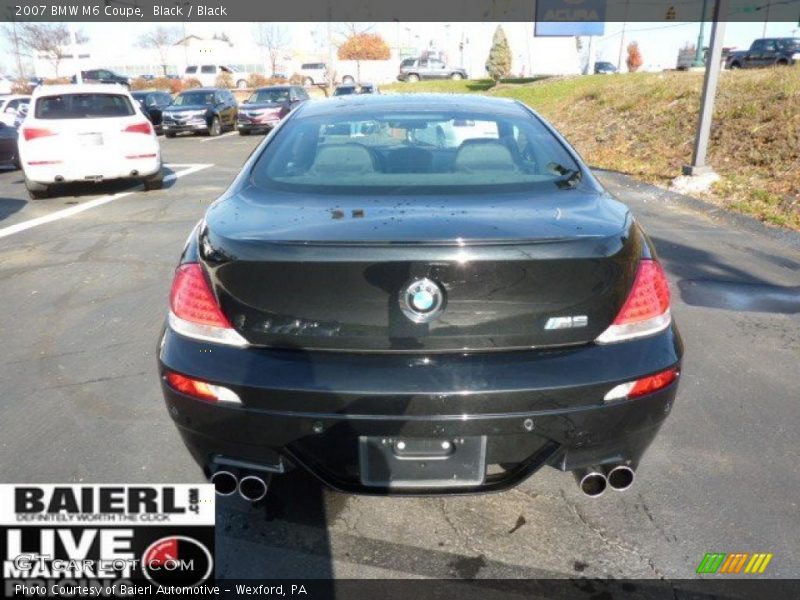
(770, 53)
(437, 69)
(229, 108)
(753, 57)
(422, 69)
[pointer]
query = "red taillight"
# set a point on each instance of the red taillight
(194, 311)
(643, 386)
(190, 387)
(191, 298)
(31, 133)
(143, 127)
(653, 383)
(646, 309)
(649, 296)
(202, 390)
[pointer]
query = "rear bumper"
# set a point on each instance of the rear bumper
(75, 171)
(535, 408)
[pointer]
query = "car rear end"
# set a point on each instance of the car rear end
(419, 341)
(87, 133)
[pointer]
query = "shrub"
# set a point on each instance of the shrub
(20, 86)
(141, 84)
(634, 59)
(191, 82)
(225, 80)
(256, 80)
(296, 79)
(498, 65)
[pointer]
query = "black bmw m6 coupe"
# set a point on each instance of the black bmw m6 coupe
(418, 295)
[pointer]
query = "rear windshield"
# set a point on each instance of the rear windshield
(190, 98)
(83, 106)
(410, 153)
(276, 95)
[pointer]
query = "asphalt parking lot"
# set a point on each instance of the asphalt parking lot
(84, 279)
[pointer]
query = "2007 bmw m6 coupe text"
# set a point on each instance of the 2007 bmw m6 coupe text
(418, 295)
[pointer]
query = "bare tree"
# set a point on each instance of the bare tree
(160, 39)
(50, 41)
(274, 39)
(12, 33)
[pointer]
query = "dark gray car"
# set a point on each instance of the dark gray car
(428, 68)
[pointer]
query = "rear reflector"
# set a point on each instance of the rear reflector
(194, 311)
(135, 156)
(643, 386)
(201, 390)
(143, 127)
(34, 163)
(31, 133)
(646, 310)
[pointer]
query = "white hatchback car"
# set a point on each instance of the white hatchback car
(87, 132)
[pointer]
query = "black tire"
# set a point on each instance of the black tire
(456, 77)
(241, 84)
(215, 128)
(17, 162)
(348, 79)
(244, 132)
(735, 65)
(37, 191)
(153, 182)
(169, 134)
(307, 81)
(782, 62)
(412, 78)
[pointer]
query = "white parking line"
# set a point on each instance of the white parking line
(211, 139)
(79, 208)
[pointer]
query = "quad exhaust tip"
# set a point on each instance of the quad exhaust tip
(225, 483)
(252, 488)
(620, 477)
(592, 482)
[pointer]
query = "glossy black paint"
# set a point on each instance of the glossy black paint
(313, 282)
(9, 154)
(247, 124)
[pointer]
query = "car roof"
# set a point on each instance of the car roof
(274, 87)
(79, 88)
(205, 89)
(411, 102)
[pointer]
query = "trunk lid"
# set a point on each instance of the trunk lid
(332, 272)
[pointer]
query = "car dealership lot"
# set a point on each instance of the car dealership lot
(84, 279)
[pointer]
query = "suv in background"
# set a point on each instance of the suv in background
(265, 108)
(428, 68)
(314, 73)
(200, 110)
(207, 74)
(103, 76)
(766, 52)
(602, 67)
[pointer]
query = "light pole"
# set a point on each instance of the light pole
(698, 53)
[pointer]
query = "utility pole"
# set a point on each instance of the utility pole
(698, 53)
(16, 48)
(75, 58)
(699, 166)
(766, 20)
(622, 36)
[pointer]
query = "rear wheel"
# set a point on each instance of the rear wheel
(348, 79)
(413, 78)
(735, 65)
(456, 76)
(783, 62)
(244, 132)
(153, 182)
(215, 128)
(169, 134)
(241, 84)
(37, 191)
(308, 81)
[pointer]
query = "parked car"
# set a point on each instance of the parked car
(87, 132)
(352, 88)
(267, 106)
(201, 110)
(766, 52)
(152, 103)
(9, 107)
(9, 151)
(428, 68)
(398, 317)
(602, 67)
(207, 74)
(6, 84)
(314, 73)
(103, 76)
(22, 112)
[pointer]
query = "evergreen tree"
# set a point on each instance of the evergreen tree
(499, 62)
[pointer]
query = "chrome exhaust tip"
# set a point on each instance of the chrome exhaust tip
(252, 488)
(592, 482)
(621, 477)
(225, 483)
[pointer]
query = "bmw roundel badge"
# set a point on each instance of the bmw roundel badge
(422, 300)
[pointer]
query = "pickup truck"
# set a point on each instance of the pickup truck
(766, 52)
(413, 69)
